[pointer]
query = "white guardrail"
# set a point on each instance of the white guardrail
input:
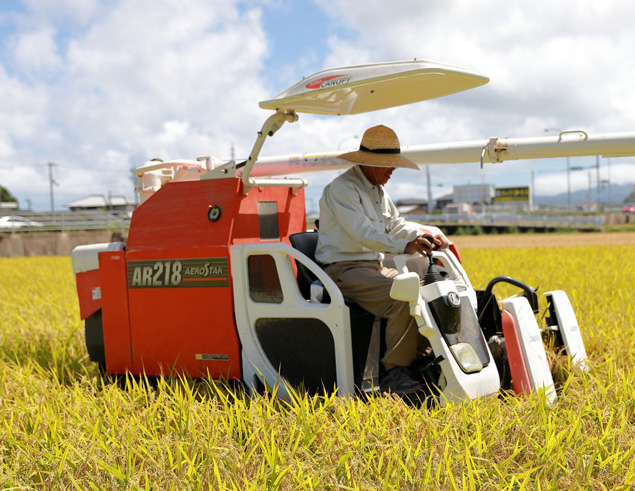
(70, 221)
(511, 219)
(23, 222)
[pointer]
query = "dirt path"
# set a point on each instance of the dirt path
(530, 240)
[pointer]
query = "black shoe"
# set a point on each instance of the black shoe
(427, 370)
(399, 381)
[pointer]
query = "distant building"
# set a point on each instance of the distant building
(96, 202)
(409, 206)
(474, 194)
(589, 206)
(459, 209)
(469, 198)
(444, 201)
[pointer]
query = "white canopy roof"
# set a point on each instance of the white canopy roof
(363, 88)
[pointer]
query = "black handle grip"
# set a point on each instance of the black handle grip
(529, 292)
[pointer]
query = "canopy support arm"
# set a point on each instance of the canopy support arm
(269, 128)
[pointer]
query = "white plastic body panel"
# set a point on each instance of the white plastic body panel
(86, 257)
(419, 264)
(532, 346)
(335, 315)
(567, 324)
(458, 384)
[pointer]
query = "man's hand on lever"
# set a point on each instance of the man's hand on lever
(425, 244)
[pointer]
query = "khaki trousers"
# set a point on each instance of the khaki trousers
(368, 284)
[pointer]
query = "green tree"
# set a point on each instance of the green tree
(6, 196)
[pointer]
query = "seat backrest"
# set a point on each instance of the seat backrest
(305, 242)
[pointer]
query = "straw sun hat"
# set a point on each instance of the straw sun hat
(379, 148)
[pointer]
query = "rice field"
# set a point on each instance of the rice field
(63, 426)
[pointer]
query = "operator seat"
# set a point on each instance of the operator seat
(306, 243)
(361, 320)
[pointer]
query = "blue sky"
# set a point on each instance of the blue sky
(98, 87)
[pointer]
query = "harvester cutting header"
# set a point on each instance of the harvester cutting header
(218, 276)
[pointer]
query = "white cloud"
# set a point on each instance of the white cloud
(23, 106)
(565, 65)
(36, 52)
(77, 11)
(542, 58)
(99, 87)
(147, 79)
(6, 148)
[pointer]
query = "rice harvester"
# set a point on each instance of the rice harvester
(217, 276)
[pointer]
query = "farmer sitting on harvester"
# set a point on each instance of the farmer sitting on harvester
(358, 224)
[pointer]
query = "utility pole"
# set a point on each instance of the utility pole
(429, 189)
(51, 184)
(533, 192)
(597, 176)
(568, 184)
(608, 179)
